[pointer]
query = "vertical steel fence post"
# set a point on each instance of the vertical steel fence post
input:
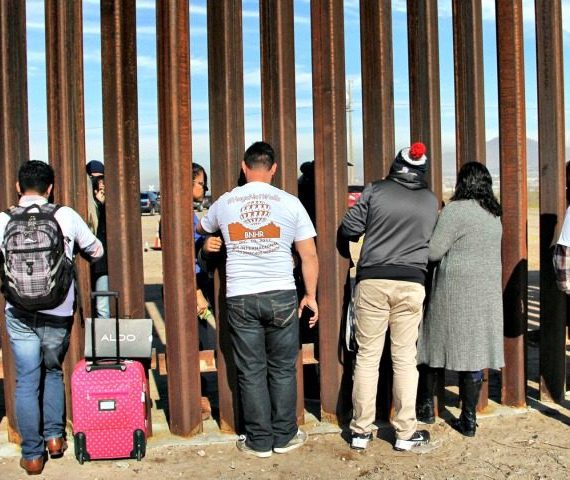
(512, 136)
(14, 150)
(120, 136)
(175, 151)
(329, 124)
(225, 89)
(469, 87)
(423, 61)
(66, 138)
(551, 151)
(121, 151)
(377, 88)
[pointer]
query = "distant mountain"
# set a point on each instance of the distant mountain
(493, 152)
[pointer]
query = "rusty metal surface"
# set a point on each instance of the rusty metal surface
(551, 151)
(66, 138)
(225, 87)
(513, 163)
(120, 138)
(278, 109)
(14, 150)
(175, 151)
(377, 88)
(423, 61)
(329, 124)
(469, 87)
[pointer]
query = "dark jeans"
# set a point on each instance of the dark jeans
(265, 339)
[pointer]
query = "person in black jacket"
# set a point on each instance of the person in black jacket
(397, 215)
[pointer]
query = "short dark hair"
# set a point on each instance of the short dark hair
(474, 182)
(36, 176)
(259, 155)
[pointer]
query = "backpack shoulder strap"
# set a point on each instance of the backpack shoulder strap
(50, 207)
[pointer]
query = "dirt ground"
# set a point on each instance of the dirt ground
(517, 444)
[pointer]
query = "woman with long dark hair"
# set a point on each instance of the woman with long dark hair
(463, 326)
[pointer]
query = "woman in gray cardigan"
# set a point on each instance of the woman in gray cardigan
(463, 326)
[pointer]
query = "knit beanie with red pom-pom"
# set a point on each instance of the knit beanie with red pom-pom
(410, 164)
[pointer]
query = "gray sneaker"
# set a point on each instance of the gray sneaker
(297, 441)
(242, 447)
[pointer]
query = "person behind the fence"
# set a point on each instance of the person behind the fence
(396, 216)
(98, 223)
(259, 224)
(204, 284)
(561, 257)
(39, 307)
(463, 325)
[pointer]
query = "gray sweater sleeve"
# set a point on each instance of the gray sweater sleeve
(354, 221)
(445, 233)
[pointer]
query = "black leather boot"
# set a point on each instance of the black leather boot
(469, 390)
(425, 412)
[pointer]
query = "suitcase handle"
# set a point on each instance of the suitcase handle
(95, 363)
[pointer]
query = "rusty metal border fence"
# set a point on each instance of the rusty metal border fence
(66, 140)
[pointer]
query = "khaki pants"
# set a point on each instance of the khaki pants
(380, 304)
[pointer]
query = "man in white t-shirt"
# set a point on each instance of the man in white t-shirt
(259, 224)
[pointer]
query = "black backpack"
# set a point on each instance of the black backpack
(36, 273)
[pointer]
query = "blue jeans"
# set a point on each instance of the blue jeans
(265, 341)
(39, 343)
(102, 309)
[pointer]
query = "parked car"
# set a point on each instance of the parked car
(150, 203)
(354, 192)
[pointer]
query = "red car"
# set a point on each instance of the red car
(354, 192)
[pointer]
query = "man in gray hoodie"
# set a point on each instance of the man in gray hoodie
(397, 215)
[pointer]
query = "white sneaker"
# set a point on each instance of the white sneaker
(297, 441)
(359, 441)
(420, 437)
(242, 447)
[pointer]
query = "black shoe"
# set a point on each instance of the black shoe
(464, 426)
(425, 412)
(469, 391)
(420, 437)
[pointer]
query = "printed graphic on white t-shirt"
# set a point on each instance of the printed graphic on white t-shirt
(565, 232)
(259, 224)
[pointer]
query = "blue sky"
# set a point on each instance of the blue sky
(147, 86)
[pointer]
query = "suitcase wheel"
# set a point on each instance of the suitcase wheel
(80, 448)
(139, 445)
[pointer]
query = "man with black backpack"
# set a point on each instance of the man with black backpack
(37, 241)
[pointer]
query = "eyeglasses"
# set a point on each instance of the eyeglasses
(202, 184)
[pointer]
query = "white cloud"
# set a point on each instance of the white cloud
(146, 30)
(302, 20)
(250, 13)
(198, 65)
(252, 78)
(146, 61)
(39, 57)
(146, 5)
(33, 25)
(198, 10)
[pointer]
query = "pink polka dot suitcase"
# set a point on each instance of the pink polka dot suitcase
(109, 401)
